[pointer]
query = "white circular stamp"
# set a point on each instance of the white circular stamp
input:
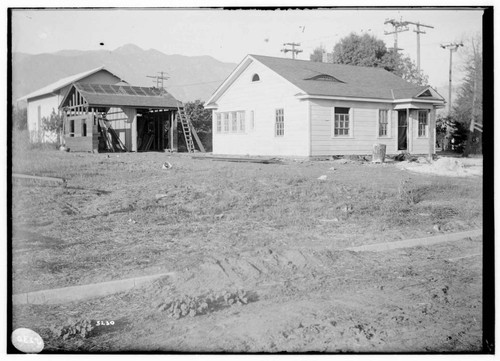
(27, 341)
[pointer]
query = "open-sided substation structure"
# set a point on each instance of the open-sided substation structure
(103, 118)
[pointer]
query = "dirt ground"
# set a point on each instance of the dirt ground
(258, 252)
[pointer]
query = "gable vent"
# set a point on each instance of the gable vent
(426, 93)
(324, 77)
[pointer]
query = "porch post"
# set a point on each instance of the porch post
(432, 133)
(409, 143)
(173, 131)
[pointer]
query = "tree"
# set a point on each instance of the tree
(468, 104)
(403, 67)
(19, 118)
(317, 54)
(201, 119)
(365, 50)
(53, 123)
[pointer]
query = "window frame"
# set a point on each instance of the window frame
(234, 122)
(253, 80)
(419, 124)
(388, 123)
(279, 122)
(350, 119)
(226, 122)
(241, 121)
(218, 122)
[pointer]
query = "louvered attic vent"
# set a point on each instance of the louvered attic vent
(426, 93)
(325, 77)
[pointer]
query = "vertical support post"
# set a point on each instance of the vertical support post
(173, 131)
(432, 133)
(408, 131)
(162, 132)
(134, 132)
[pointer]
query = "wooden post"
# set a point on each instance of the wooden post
(408, 131)
(432, 133)
(134, 132)
(162, 130)
(173, 131)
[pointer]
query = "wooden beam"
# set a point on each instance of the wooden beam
(173, 132)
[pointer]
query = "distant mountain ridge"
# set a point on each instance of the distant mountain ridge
(190, 77)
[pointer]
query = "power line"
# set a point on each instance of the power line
(292, 50)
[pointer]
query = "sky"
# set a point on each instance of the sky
(230, 35)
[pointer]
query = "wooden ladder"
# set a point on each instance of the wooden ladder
(189, 131)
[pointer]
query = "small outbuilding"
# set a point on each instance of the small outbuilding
(283, 107)
(101, 117)
(42, 102)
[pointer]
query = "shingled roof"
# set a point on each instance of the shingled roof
(124, 95)
(352, 81)
(336, 80)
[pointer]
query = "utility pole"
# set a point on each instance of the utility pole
(399, 26)
(293, 50)
(159, 78)
(453, 47)
(418, 31)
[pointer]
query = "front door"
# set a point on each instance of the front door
(402, 130)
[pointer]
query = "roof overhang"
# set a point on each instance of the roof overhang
(330, 97)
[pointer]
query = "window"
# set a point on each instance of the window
(341, 126)
(383, 123)
(280, 123)
(218, 120)
(226, 122)
(255, 77)
(71, 128)
(422, 123)
(234, 122)
(241, 121)
(84, 128)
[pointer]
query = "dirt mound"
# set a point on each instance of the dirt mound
(446, 166)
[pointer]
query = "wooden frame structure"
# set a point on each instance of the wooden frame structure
(98, 117)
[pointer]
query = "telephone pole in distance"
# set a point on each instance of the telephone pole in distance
(293, 50)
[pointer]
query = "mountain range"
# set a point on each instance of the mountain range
(189, 77)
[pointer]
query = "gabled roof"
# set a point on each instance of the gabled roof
(104, 95)
(346, 80)
(51, 88)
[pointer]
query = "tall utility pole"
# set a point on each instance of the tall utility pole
(399, 26)
(159, 78)
(418, 31)
(293, 50)
(453, 48)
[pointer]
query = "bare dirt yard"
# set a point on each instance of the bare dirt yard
(258, 253)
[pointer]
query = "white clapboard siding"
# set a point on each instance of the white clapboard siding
(263, 98)
(364, 128)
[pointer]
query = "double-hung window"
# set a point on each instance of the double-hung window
(342, 122)
(383, 123)
(241, 121)
(226, 122)
(422, 123)
(234, 122)
(218, 117)
(280, 123)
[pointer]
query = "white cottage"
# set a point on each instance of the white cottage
(43, 101)
(282, 107)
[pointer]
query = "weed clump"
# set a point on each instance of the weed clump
(193, 306)
(80, 328)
